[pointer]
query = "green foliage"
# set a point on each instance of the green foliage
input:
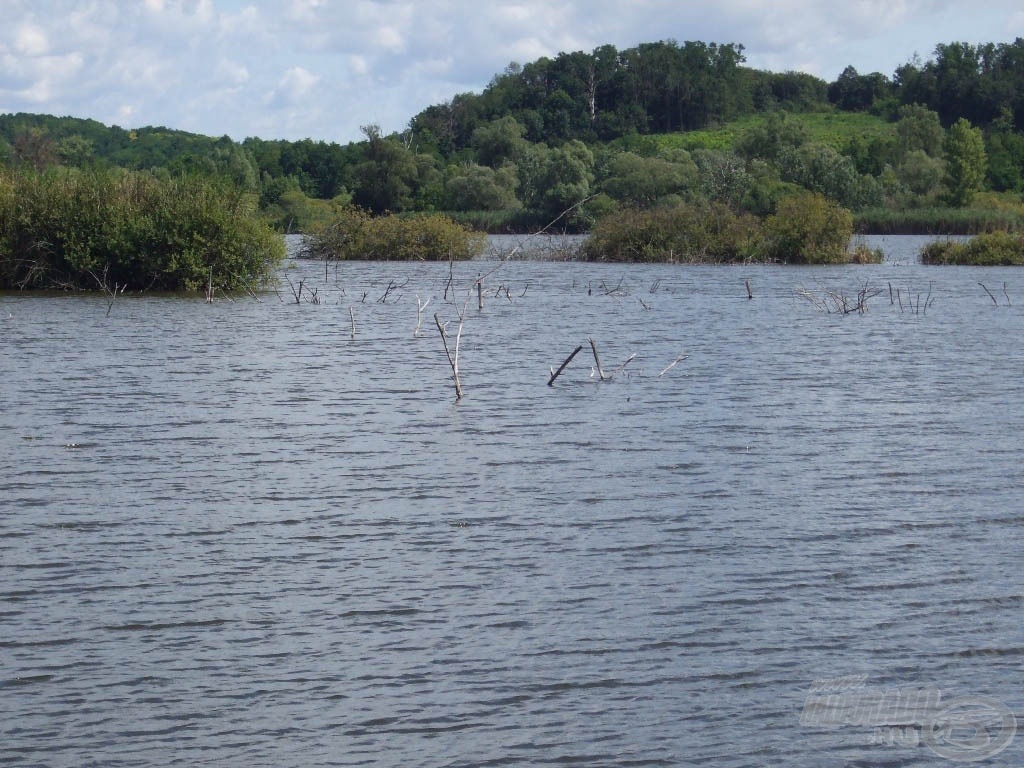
(69, 228)
(990, 249)
(663, 86)
(807, 228)
(835, 129)
(767, 140)
(870, 154)
(642, 181)
(855, 92)
(556, 180)
(292, 211)
(922, 174)
(355, 234)
(938, 220)
(821, 169)
(791, 91)
(965, 162)
(386, 178)
(480, 188)
(766, 190)
(976, 83)
(722, 176)
(1005, 152)
(498, 142)
(497, 222)
(918, 128)
(728, 133)
(684, 233)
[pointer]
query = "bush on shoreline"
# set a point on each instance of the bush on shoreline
(685, 233)
(986, 250)
(74, 230)
(805, 229)
(355, 234)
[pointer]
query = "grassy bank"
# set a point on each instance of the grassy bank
(937, 221)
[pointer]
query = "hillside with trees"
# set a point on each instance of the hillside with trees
(937, 145)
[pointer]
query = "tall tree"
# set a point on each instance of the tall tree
(965, 162)
(385, 180)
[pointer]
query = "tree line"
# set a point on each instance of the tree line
(546, 135)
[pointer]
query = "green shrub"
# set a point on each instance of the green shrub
(683, 233)
(808, 229)
(70, 229)
(990, 249)
(355, 234)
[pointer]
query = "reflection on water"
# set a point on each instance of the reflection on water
(237, 533)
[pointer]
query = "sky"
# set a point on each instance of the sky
(320, 69)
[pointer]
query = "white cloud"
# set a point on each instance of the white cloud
(30, 40)
(231, 73)
(358, 64)
(293, 87)
(390, 38)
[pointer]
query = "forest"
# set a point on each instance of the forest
(938, 145)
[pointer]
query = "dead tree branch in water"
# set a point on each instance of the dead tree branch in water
(622, 367)
(989, 294)
(453, 360)
(555, 374)
(111, 293)
(673, 364)
(597, 359)
(838, 302)
(420, 306)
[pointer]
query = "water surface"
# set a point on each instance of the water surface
(240, 533)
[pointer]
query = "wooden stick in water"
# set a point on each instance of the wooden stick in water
(556, 374)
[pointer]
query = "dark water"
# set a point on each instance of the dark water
(232, 534)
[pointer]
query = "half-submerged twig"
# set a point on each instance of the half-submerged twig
(989, 294)
(597, 359)
(352, 315)
(112, 293)
(453, 360)
(555, 374)
(673, 364)
(619, 370)
(420, 306)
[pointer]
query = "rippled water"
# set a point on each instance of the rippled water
(238, 534)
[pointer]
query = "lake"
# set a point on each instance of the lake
(264, 533)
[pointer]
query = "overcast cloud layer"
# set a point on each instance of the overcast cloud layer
(291, 69)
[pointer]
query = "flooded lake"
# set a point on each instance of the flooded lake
(264, 533)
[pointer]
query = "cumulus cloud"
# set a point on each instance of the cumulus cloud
(293, 86)
(231, 73)
(30, 40)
